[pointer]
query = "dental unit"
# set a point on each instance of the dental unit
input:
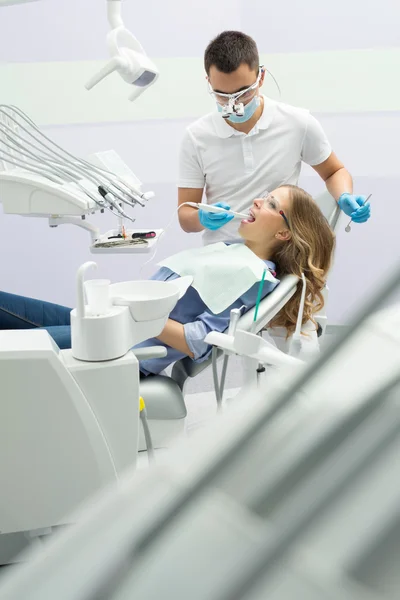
(38, 178)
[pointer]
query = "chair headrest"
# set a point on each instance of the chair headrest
(329, 207)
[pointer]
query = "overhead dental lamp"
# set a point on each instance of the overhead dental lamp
(128, 57)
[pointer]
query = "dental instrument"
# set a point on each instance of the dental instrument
(348, 226)
(119, 242)
(39, 178)
(193, 205)
(31, 148)
(215, 209)
(113, 204)
(144, 235)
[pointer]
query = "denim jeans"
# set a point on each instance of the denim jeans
(18, 312)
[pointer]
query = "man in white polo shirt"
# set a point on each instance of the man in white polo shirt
(250, 145)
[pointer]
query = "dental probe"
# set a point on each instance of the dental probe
(348, 228)
(216, 209)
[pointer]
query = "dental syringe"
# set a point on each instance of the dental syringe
(216, 209)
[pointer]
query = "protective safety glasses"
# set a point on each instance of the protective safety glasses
(272, 204)
(243, 96)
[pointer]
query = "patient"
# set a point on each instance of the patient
(285, 229)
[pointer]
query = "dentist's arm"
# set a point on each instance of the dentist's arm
(337, 179)
(188, 216)
(339, 184)
(191, 182)
(193, 223)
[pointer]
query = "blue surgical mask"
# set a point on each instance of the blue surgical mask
(249, 110)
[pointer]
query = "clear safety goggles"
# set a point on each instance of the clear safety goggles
(244, 96)
(272, 204)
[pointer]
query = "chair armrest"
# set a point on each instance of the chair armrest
(329, 208)
(150, 352)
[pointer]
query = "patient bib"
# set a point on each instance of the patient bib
(221, 274)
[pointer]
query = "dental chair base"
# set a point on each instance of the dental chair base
(166, 410)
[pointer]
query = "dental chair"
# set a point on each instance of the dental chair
(164, 396)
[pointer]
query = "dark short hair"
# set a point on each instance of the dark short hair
(229, 50)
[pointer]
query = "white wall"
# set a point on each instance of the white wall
(342, 63)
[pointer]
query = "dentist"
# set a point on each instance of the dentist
(250, 145)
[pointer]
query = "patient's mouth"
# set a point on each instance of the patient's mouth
(250, 219)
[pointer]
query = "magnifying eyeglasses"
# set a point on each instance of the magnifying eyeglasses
(234, 103)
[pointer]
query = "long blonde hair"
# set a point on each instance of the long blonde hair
(308, 251)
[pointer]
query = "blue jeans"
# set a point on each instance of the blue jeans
(18, 312)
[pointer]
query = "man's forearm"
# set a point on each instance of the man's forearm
(339, 183)
(189, 219)
(173, 335)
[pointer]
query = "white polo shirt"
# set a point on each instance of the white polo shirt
(236, 168)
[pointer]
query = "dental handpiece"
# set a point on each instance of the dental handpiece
(216, 209)
(108, 197)
(348, 226)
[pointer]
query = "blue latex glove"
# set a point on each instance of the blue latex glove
(214, 221)
(352, 206)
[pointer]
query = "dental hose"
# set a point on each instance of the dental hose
(223, 375)
(219, 385)
(146, 430)
(218, 396)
